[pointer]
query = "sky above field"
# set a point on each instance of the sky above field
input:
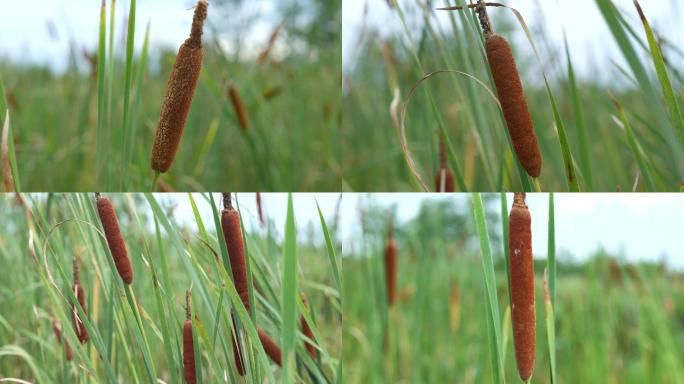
(591, 44)
(638, 226)
(40, 31)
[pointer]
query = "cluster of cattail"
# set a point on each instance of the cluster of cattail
(238, 106)
(391, 265)
(232, 233)
(188, 347)
(444, 179)
(57, 329)
(116, 243)
(79, 328)
(180, 90)
(522, 286)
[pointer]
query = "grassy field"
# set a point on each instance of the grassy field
(612, 321)
(92, 128)
(135, 330)
(620, 127)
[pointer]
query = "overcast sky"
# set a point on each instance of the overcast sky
(591, 44)
(25, 36)
(642, 226)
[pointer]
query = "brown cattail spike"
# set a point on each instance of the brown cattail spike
(232, 233)
(238, 106)
(79, 328)
(237, 353)
(180, 90)
(306, 330)
(272, 349)
(513, 103)
(444, 179)
(188, 347)
(259, 208)
(391, 265)
(117, 247)
(57, 329)
(522, 286)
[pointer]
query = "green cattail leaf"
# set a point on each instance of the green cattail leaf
(666, 85)
(289, 295)
(494, 321)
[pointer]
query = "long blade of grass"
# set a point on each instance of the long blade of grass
(666, 85)
(130, 42)
(100, 141)
(288, 305)
(490, 287)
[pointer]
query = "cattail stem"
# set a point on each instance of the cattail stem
(115, 241)
(522, 286)
(180, 90)
(270, 346)
(232, 233)
(188, 347)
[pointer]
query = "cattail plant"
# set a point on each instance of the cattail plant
(272, 349)
(444, 179)
(306, 330)
(79, 328)
(237, 353)
(511, 95)
(115, 241)
(57, 329)
(238, 106)
(179, 92)
(188, 348)
(232, 233)
(522, 286)
(259, 208)
(391, 265)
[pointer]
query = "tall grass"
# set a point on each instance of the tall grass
(136, 330)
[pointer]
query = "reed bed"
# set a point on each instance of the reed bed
(504, 94)
(135, 331)
(460, 316)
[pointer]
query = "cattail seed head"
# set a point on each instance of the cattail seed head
(259, 208)
(180, 90)
(513, 103)
(444, 178)
(238, 106)
(522, 286)
(188, 348)
(80, 329)
(272, 349)
(57, 329)
(306, 330)
(232, 233)
(116, 243)
(391, 266)
(239, 365)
